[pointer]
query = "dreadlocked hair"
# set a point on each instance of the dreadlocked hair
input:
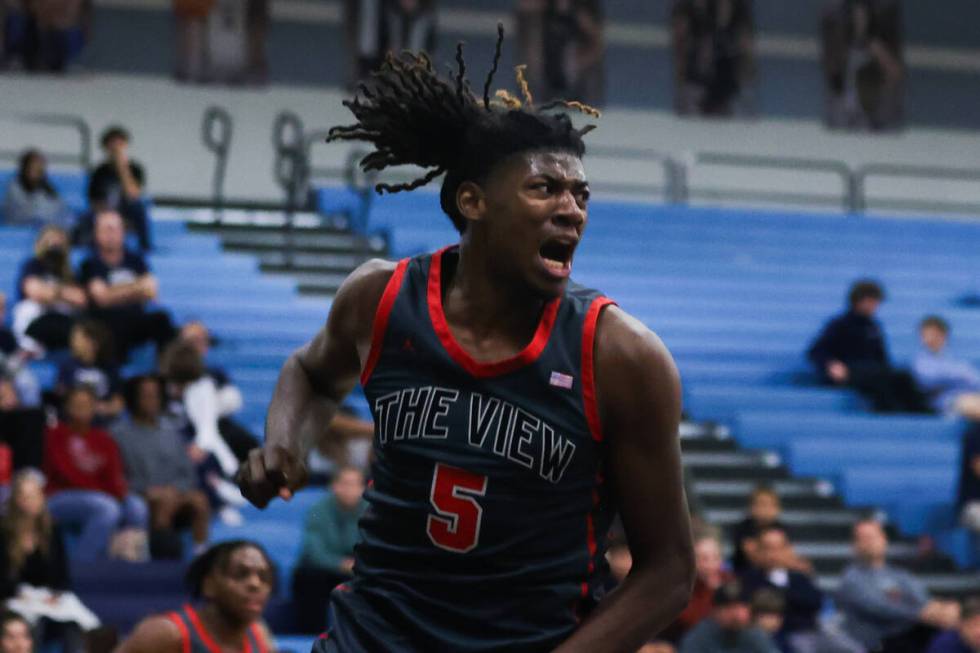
(414, 116)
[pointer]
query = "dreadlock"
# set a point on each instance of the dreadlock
(414, 116)
(216, 557)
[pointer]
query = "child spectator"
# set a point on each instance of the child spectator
(767, 616)
(15, 634)
(851, 351)
(86, 485)
(117, 185)
(764, 511)
(710, 576)
(119, 285)
(92, 364)
(30, 199)
(327, 556)
(48, 296)
(966, 639)
(729, 628)
(34, 569)
(951, 384)
(154, 453)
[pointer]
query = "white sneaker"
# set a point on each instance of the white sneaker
(231, 516)
(228, 492)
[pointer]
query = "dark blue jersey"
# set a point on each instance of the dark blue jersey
(487, 507)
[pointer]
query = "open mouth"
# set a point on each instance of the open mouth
(557, 256)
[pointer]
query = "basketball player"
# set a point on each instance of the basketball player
(232, 581)
(514, 410)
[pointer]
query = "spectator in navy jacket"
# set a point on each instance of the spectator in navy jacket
(92, 363)
(851, 351)
(120, 284)
(967, 638)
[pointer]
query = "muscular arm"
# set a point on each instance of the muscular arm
(153, 635)
(639, 403)
(312, 383)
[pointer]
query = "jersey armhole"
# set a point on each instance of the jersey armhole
(185, 635)
(588, 366)
(380, 325)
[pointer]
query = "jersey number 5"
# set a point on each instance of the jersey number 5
(456, 526)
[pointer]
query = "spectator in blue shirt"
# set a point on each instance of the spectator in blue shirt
(887, 607)
(327, 556)
(967, 638)
(119, 286)
(952, 384)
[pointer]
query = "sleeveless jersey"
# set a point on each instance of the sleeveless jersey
(195, 639)
(487, 507)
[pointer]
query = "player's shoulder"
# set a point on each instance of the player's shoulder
(362, 289)
(156, 634)
(624, 343)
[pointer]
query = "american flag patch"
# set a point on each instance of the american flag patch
(560, 380)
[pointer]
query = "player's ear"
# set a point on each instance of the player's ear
(471, 201)
(207, 587)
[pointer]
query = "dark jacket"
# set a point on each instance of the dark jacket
(803, 599)
(40, 570)
(851, 339)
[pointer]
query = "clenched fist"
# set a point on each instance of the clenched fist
(269, 472)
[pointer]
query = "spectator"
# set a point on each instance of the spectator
(31, 199)
(574, 50)
(951, 384)
(56, 33)
(967, 638)
(326, 559)
(363, 21)
(86, 485)
(48, 296)
(192, 39)
(410, 25)
(968, 490)
(713, 46)
(767, 615)
(710, 576)
(802, 598)
(529, 26)
(229, 397)
(15, 634)
(34, 569)
(886, 607)
(728, 628)
(154, 454)
(119, 285)
(92, 364)
(863, 63)
(12, 363)
(764, 511)
(347, 442)
(117, 185)
(851, 351)
(21, 427)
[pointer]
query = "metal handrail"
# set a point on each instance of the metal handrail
(943, 173)
(82, 158)
(675, 174)
(849, 196)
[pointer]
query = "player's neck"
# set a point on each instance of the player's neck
(227, 634)
(473, 297)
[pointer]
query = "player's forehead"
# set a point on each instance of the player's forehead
(558, 164)
(246, 558)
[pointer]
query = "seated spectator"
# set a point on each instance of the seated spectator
(713, 45)
(764, 511)
(30, 198)
(966, 639)
(951, 384)
(53, 34)
(119, 285)
(968, 488)
(116, 185)
(91, 364)
(327, 556)
(13, 361)
(729, 628)
(86, 485)
(347, 442)
(15, 634)
(48, 296)
(767, 615)
(34, 575)
(802, 598)
(710, 576)
(154, 454)
(21, 427)
(851, 351)
(229, 397)
(886, 607)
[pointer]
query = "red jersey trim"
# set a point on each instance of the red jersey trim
(185, 635)
(205, 636)
(259, 638)
(476, 368)
(380, 325)
(588, 366)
